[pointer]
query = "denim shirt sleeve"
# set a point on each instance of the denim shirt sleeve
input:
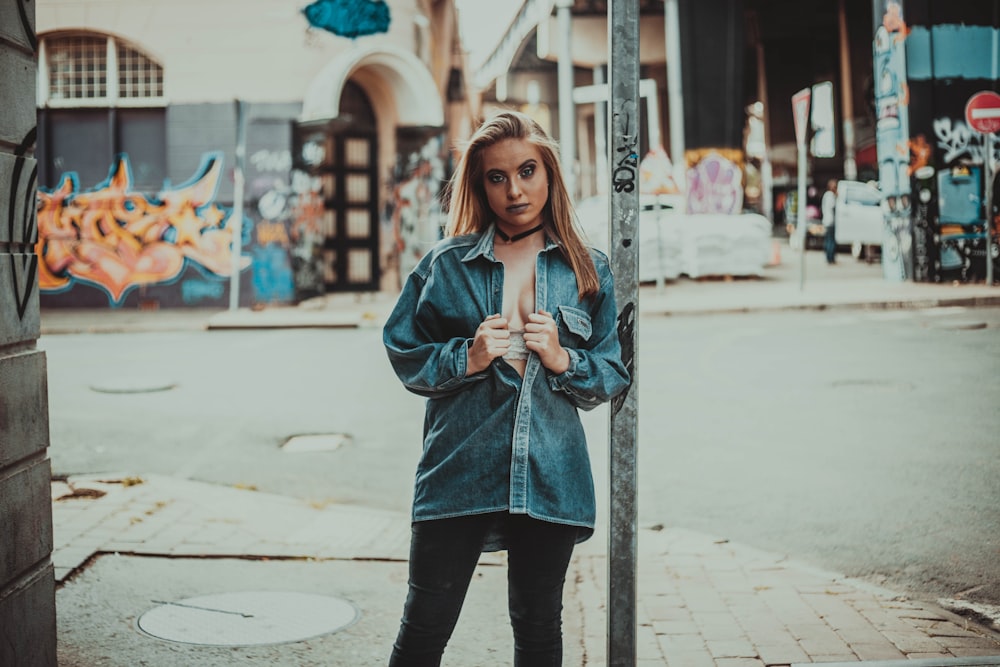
(426, 366)
(596, 373)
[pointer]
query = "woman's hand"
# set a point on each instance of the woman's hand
(492, 340)
(541, 336)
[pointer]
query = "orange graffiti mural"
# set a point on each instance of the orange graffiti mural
(116, 239)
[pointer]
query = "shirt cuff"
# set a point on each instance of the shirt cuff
(560, 381)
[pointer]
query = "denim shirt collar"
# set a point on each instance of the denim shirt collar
(484, 246)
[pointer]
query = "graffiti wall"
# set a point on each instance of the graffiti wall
(414, 212)
(931, 162)
(714, 181)
(892, 132)
(270, 207)
(305, 210)
(110, 245)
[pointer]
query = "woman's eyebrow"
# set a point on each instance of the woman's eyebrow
(530, 162)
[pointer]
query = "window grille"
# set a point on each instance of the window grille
(78, 68)
(138, 76)
(96, 70)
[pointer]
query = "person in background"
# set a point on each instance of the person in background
(828, 205)
(508, 327)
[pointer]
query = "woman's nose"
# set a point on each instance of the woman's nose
(513, 189)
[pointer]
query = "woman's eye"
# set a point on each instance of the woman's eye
(495, 178)
(527, 171)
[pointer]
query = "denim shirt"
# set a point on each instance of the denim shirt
(494, 441)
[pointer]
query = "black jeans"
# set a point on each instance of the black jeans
(443, 557)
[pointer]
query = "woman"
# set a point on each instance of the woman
(507, 326)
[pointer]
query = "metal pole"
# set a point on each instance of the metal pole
(623, 149)
(800, 209)
(846, 95)
(600, 135)
(675, 93)
(236, 217)
(990, 169)
(800, 114)
(567, 110)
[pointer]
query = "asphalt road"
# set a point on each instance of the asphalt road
(866, 442)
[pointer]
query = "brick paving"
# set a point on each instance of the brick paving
(701, 602)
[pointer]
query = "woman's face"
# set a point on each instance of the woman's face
(516, 183)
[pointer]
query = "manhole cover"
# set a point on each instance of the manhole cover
(247, 618)
(132, 386)
(318, 442)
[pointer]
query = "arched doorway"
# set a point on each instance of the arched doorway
(341, 156)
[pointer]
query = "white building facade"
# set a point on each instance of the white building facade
(199, 153)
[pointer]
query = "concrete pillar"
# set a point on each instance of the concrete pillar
(27, 584)
(567, 110)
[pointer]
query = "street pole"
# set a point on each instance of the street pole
(567, 110)
(236, 217)
(990, 168)
(800, 116)
(623, 149)
(675, 93)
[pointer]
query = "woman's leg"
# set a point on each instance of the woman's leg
(538, 557)
(443, 556)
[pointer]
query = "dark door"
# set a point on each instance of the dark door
(342, 155)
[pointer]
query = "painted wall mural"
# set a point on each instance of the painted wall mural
(945, 64)
(714, 181)
(117, 240)
(305, 212)
(414, 210)
(892, 109)
(270, 209)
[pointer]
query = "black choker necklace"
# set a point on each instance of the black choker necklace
(517, 237)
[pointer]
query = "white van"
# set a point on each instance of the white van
(859, 218)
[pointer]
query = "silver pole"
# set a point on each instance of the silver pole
(623, 149)
(990, 169)
(600, 136)
(567, 110)
(675, 93)
(236, 217)
(800, 209)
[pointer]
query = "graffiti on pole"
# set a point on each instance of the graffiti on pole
(892, 101)
(627, 150)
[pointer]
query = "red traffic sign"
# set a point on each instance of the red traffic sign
(982, 112)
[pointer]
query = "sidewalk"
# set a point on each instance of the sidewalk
(702, 602)
(129, 543)
(848, 284)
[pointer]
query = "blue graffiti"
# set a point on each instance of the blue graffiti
(196, 291)
(272, 274)
(951, 52)
(349, 18)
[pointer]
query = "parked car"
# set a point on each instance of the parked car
(860, 220)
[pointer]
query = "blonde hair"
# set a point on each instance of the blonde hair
(470, 211)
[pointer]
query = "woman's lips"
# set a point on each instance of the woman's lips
(517, 208)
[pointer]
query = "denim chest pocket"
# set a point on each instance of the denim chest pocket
(574, 324)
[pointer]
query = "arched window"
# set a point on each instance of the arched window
(99, 96)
